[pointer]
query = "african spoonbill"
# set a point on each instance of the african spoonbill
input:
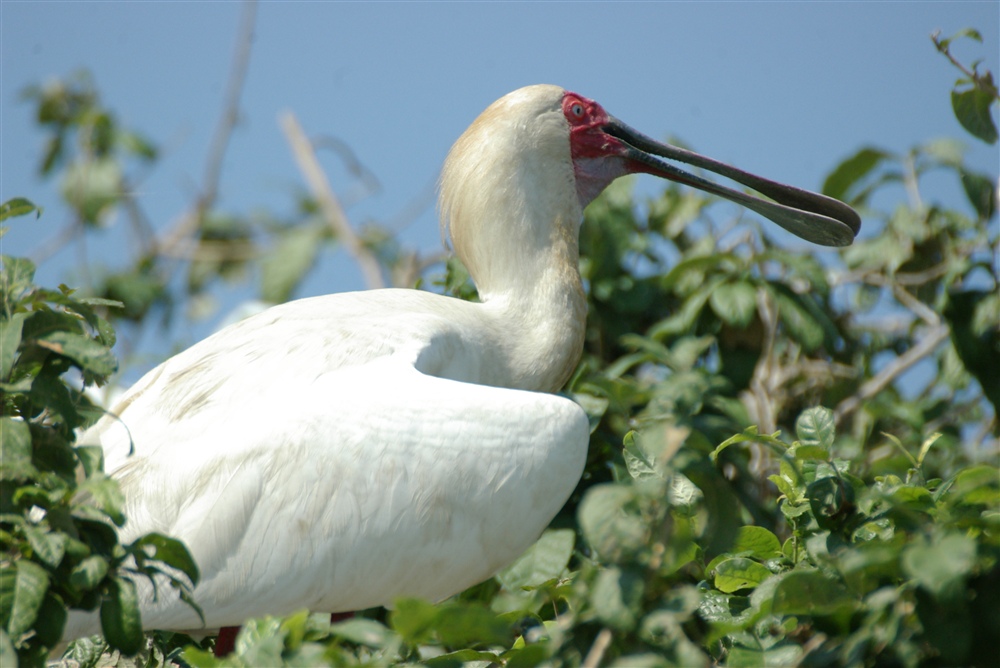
(338, 452)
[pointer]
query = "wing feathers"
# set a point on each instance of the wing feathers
(369, 483)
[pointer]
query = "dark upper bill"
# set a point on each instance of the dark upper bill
(814, 217)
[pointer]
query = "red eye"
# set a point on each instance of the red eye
(579, 111)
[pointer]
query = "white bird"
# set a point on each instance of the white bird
(338, 452)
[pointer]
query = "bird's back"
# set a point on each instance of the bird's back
(335, 453)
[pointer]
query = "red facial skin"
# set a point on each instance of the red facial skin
(586, 118)
(598, 158)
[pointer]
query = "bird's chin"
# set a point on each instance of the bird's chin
(595, 174)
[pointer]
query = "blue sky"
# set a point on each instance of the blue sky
(782, 89)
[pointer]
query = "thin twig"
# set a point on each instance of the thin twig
(925, 276)
(369, 184)
(893, 370)
(911, 182)
(975, 77)
(190, 220)
(763, 374)
(597, 650)
(330, 206)
(215, 251)
(924, 312)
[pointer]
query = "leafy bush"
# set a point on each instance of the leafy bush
(702, 531)
(57, 508)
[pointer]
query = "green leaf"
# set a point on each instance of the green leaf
(912, 498)
(88, 354)
(944, 150)
(972, 109)
(726, 609)
(462, 657)
(92, 187)
(750, 435)
(801, 324)
(15, 449)
(30, 584)
(51, 620)
(171, 552)
(363, 632)
(737, 573)
(545, 560)
(941, 565)
(810, 453)
(8, 655)
(100, 301)
(49, 546)
(816, 427)
(464, 624)
(783, 655)
(616, 597)
(981, 192)
(608, 522)
(785, 485)
(640, 466)
(758, 541)
(971, 33)
(18, 206)
(456, 623)
(18, 273)
(138, 290)
(89, 573)
(120, 620)
(91, 458)
(976, 485)
(8, 584)
(10, 339)
(526, 656)
(809, 592)
(647, 453)
(137, 145)
(413, 619)
(284, 268)
(831, 500)
(105, 495)
(735, 303)
(851, 171)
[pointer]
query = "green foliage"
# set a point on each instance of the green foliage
(700, 533)
(975, 94)
(58, 511)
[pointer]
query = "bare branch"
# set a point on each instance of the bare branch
(896, 368)
(762, 383)
(329, 205)
(189, 221)
(916, 306)
(597, 650)
(980, 81)
(368, 183)
(216, 251)
(231, 110)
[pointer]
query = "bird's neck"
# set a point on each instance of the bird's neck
(537, 303)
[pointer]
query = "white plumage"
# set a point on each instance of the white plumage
(338, 452)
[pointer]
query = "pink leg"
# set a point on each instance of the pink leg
(226, 642)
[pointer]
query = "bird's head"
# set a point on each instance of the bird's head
(540, 154)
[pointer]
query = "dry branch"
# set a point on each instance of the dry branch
(329, 205)
(189, 221)
(896, 368)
